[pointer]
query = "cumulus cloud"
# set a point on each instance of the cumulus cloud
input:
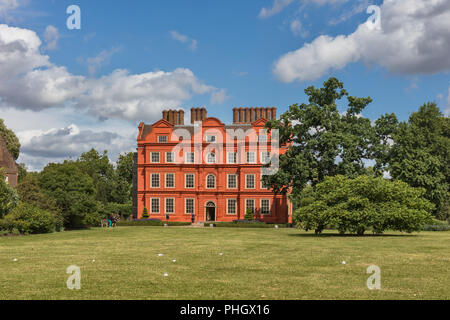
(51, 37)
(29, 81)
(414, 40)
(184, 39)
(55, 145)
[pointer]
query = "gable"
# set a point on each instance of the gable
(259, 123)
(162, 124)
(212, 122)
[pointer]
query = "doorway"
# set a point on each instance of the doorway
(210, 209)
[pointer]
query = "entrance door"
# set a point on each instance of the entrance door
(210, 211)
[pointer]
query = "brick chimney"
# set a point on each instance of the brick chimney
(175, 117)
(249, 115)
(198, 114)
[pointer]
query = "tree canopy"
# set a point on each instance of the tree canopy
(323, 141)
(12, 142)
(363, 203)
(420, 155)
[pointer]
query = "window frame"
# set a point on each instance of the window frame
(151, 180)
(246, 205)
(193, 180)
(235, 158)
(186, 157)
(165, 205)
(254, 181)
(208, 159)
(151, 157)
(173, 157)
(261, 207)
(185, 206)
(151, 206)
(235, 182)
(165, 180)
(247, 157)
(166, 138)
(235, 206)
(215, 181)
(261, 157)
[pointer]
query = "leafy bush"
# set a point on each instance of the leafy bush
(74, 193)
(8, 196)
(29, 219)
(145, 213)
(249, 214)
(437, 225)
(31, 193)
(361, 204)
(151, 223)
(246, 224)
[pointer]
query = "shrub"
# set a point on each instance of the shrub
(151, 223)
(361, 204)
(248, 224)
(8, 196)
(249, 214)
(437, 225)
(30, 219)
(145, 213)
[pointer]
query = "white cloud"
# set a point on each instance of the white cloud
(56, 145)
(414, 40)
(277, 7)
(5, 6)
(219, 96)
(29, 81)
(184, 39)
(280, 5)
(51, 37)
(360, 7)
(297, 28)
(104, 57)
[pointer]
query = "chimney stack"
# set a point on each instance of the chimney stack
(249, 115)
(198, 114)
(175, 117)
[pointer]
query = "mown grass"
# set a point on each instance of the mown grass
(256, 264)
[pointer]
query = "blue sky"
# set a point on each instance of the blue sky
(227, 53)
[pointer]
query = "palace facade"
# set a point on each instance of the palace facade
(207, 168)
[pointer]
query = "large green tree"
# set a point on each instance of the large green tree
(111, 185)
(420, 155)
(12, 142)
(74, 192)
(323, 141)
(361, 204)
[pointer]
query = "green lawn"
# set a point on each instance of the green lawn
(256, 264)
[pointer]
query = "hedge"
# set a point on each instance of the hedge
(151, 223)
(246, 225)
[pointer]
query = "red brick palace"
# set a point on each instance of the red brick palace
(208, 168)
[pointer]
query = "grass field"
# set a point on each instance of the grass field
(256, 264)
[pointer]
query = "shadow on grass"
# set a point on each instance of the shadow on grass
(338, 235)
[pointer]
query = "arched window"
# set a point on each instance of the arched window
(211, 181)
